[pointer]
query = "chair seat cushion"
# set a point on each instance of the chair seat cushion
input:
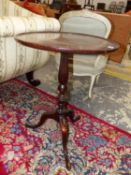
(84, 65)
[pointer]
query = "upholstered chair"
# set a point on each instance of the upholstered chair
(16, 59)
(86, 22)
(112, 6)
(120, 7)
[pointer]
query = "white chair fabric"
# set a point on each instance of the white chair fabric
(86, 22)
(16, 59)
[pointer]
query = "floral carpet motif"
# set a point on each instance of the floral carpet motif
(94, 146)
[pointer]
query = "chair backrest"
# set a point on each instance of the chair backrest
(86, 22)
(112, 6)
(101, 6)
(120, 6)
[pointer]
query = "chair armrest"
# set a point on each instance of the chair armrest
(10, 26)
(101, 61)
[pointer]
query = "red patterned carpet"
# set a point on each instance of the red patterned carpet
(95, 147)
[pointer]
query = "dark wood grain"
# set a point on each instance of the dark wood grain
(67, 42)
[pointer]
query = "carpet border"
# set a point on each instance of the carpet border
(73, 106)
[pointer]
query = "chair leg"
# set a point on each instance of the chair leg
(91, 85)
(97, 78)
(31, 79)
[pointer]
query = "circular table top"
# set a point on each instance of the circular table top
(67, 42)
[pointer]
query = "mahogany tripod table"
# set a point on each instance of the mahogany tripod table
(67, 44)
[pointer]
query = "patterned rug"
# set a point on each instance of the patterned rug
(94, 146)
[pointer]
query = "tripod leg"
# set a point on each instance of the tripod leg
(65, 133)
(43, 118)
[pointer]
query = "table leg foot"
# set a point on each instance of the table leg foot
(72, 116)
(31, 79)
